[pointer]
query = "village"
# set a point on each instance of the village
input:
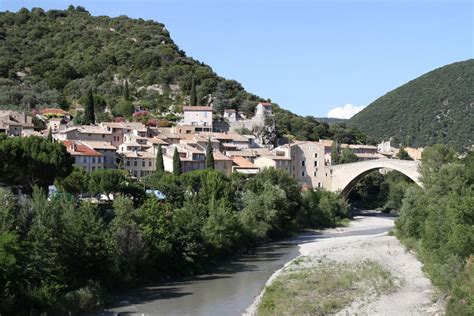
(133, 146)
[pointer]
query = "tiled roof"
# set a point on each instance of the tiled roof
(54, 111)
(197, 108)
(243, 163)
(80, 149)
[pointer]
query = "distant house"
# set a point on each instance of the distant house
(84, 156)
(48, 113)
(15, 123)
(197, 117)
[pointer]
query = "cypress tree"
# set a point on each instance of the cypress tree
(209, 155)
(50, 135)
(89, 116)
(193, 98)
(160, 167)
(335, 153)
(126, 92)
(176, 162)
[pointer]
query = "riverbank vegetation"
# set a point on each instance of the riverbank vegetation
(322, 287)
(438, 222)
(63, 253)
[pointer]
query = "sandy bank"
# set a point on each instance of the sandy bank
(415, 294)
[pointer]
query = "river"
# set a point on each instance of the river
(229, 289)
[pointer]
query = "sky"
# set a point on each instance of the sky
(311, 57)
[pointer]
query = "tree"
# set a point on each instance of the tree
(347, 156)
(335, 153)
(89, 116)
(209, 155)
(403, 154)
(177, 169)
(126, 92)
(50, 135)
(33, 161)
(107, 181)
(193, 98)
(75, 183)
(160, 167)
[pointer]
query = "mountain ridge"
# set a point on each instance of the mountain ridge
(436, 107)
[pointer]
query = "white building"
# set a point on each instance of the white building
(199, 117)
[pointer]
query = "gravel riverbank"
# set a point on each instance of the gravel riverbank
(414, 294)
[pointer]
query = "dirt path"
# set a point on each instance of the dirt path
(415, 294)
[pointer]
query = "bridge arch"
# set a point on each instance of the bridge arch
(345, 176)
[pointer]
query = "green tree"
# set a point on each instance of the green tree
(107, 181)
(50, 135)
(222, 231)
(160, 167)
(347, 156)
(130, 251)
(30, 161)
(193, 97)
(403, 154)
(177, 169)
(89, 116)
(76, 183)
(209, 155)
(126, 92)
(335, 153)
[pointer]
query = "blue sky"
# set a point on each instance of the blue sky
(307, 56)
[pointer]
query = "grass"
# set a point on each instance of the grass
(305, 288)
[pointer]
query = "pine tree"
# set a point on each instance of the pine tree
(193, 98)
(209, 155)
(176, 162)
(89, 116)
(50, 135)
(160, 167)
(126, 92)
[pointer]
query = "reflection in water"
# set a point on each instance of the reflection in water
(228, 290)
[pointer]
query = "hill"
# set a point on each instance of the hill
(52, 58)
(437, 107)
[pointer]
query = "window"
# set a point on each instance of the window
(149, 163)
(302, 173)
(316, 155)
(93, 160)
(302, 163)
(314, 173)
(84, 160)
(103, 136)
(128, 163)
(319, 184)
(143, 163)
(315, 163)
(135, 164)
(293, 168)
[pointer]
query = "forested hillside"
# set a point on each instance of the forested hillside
(52, 58)
(437, 107)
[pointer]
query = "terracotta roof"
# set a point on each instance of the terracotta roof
(229, 110)
(265, 103)
(197, 108)
(220, 156)
(54, 111)
(243, 163)
(80, 149)
(98, 144)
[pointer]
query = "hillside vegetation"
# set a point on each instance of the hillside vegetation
(437, 107)
(53, 58)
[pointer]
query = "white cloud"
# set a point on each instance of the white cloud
(345, 112)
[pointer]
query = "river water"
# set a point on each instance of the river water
(228, 290)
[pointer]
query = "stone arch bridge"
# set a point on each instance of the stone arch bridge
(345, 176)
